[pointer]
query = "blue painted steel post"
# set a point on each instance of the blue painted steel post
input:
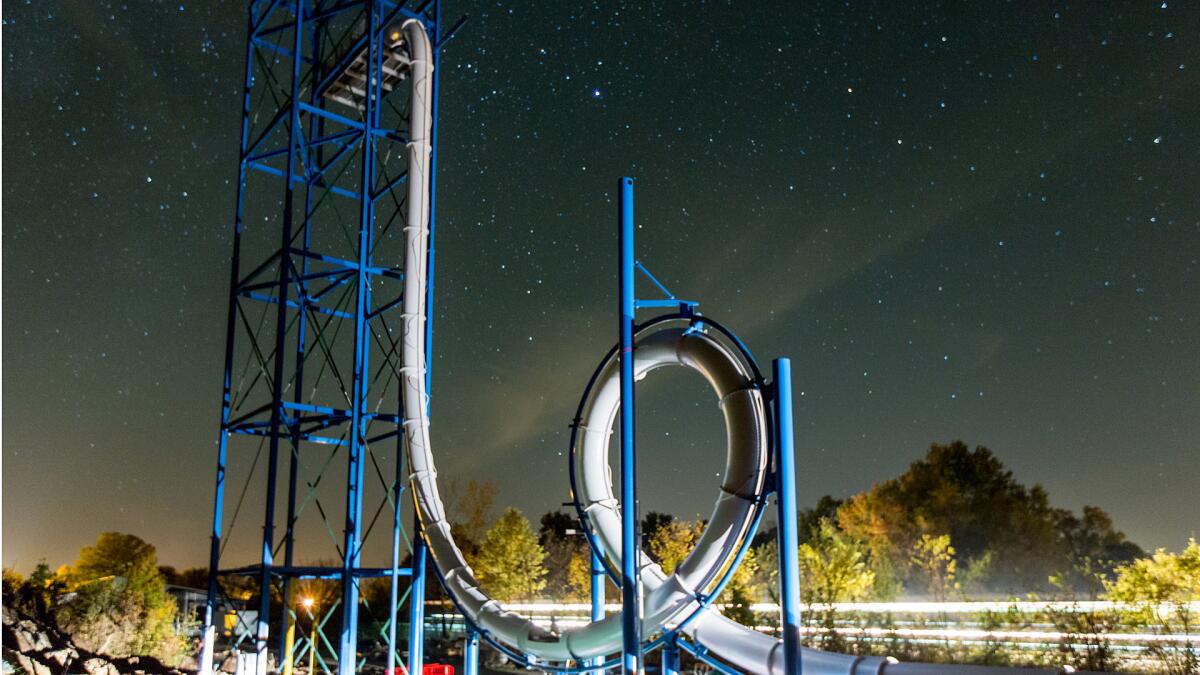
(670, 657)
(630, 616)
(416, 596)
(394, 589)
(433, 155)
(279, 386)
(208, 646)
(359, 383)
(416, 604)
(785, 499)
(597, 600)
(471, 653)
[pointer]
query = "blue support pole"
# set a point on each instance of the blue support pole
(214, 557)
(279, 390)
(433, 155)
(351, 552)
(416, 605)
(416, 596)
(471, 653)
(785, 499)
(630, 616)
(597, 600)
(302, 300)
(394, 589)
(670, 657)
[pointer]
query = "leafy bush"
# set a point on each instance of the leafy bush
(117, 602)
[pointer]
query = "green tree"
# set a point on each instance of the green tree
(808, 520)
(561, 548)
(672, 541)
(36, 594)
(120, 605)
(971, 496)
(833, 568)
(766, 574)
(1164, 584)
(934, 558)
(652, 522)
(1163, 577)
(579, 575)
(509, 563)
(741, 591)
(1095, 546)
(471, 508)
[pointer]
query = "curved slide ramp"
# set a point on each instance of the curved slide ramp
(670, 601)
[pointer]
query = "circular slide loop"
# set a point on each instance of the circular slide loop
(740, 399)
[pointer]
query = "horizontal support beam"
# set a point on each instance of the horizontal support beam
(306, 144)
(333, 117)
(312, 276)
(682, 305)
(312, 17)
(305, 572)
(273, 300)
(272, 47)
(266, 168)
(388, 188)
(322, 415)
(322, 440)
(389, 272)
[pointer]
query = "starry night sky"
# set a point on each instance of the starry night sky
(961, 222)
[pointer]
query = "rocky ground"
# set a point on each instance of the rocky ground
(38, 649)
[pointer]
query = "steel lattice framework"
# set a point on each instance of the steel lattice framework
(310, 408)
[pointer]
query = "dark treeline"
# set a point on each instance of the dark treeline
(1007, 538)
(996, 535)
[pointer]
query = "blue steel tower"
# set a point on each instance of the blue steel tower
(310, 438)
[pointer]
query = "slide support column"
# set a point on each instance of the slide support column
(630, 619)
(785, 500)
(471, 653)
(597, 601)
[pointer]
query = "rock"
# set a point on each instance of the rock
(31, 666)
(61, 656)
(98, 666)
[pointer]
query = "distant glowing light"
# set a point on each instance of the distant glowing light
(595, 93)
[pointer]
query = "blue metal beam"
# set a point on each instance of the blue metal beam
(785, 499)
(416, 603)
(314, 572)
(214, 560)
(348, 643)
(278, 389)
(670, 657)
(597, 598)
(630, 619)
(471, 653)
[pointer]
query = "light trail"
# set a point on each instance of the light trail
(906, 607)
(565, 615)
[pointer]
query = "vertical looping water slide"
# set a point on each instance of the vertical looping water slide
(671, 603)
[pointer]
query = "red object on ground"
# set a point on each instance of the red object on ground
(428, 669)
